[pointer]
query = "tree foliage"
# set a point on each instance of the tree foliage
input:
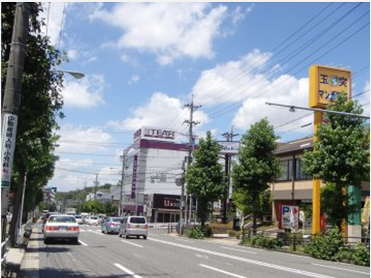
(244, 203)
(341, 155)
(40, 106)
(257, 166)
(205, 178)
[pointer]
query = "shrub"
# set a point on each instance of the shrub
(326, 245)
(195, 232)
(361, 255)
(266, 242)
(233, 233)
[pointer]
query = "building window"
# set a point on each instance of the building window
(299, 173)
(286, 170)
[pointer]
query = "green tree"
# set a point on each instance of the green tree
(257, 166)
(244, 203)
(204, 177)
(341, 153)
(40, 106)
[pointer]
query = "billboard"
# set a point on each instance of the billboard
(155, 133)
(229, 147)
(325, 83)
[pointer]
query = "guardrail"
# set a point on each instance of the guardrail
(4, 248)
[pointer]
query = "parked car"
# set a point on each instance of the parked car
(111, 224)
(93, 220)
(101, 217)
(61, 226)
(78, 219)
(134, 226)
(86, 219)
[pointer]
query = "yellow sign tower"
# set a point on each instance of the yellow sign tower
(325, 83)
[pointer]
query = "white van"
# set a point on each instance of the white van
(134, 226)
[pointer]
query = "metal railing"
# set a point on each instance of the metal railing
(4, 248)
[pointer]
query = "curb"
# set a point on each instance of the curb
(30, 266)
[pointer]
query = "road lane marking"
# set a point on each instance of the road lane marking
(98, 233)
(222, 271)
(137, 245)
(283, 268)
(238, 250)
(127, 271)
(180, 239)
(83, 243)
(356, 271)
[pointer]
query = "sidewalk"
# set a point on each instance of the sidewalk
(22, 262)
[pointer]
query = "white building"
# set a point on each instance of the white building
(152, 164)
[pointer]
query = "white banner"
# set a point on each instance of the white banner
(7, 147)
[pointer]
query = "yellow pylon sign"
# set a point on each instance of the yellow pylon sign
(325, 83)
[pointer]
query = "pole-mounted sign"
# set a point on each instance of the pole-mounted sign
(7, 148)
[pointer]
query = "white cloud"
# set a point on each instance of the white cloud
(160, 111)
(286, 90)
(72, 54)
(84, 93)
(232, 81)
(168, 30)
(74, 170)
(53, 14)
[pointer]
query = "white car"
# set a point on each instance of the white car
(78, 219)
(61, 226)
(93, 220)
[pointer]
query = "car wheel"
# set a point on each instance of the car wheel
(137, 237)
(144, 237)
(46, 241)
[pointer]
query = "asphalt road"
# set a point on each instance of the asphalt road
(163, 255)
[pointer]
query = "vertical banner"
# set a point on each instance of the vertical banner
(7, 148)
(134, 183)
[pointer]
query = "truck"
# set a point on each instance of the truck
(70, 211)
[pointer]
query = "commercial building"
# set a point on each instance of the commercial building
(293, 186)
(152, 166)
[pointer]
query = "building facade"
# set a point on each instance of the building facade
(152, 165)
(294, 187)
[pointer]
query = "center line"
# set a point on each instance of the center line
(127, 271)
(222, 271)
(238, 250)
(366, 273)
(137, 245)
(264, 264)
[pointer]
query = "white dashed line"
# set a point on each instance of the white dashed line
(222, 271)
(128, 242)
(340, 268)
(127, 271)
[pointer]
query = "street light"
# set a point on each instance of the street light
(75, 74)
(292, 109)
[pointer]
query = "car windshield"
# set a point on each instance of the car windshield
(138, 220)
(78, 216)
(116, 219)
(94, 217)
(59, 219)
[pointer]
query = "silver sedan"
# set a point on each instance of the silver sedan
(61, 227)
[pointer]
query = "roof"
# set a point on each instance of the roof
(295, 146)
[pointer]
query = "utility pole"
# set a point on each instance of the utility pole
(11, 103)
(122, 184)
(190, 122)
(229, 137)
(96, 186)
(182, 197)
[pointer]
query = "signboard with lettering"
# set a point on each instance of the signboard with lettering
(7, 148)
(155, 133)
(229, 147)
(134, 182)
(326, 83)
(163, 201)
(289, 217)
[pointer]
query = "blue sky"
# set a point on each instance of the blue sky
(144, 61)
